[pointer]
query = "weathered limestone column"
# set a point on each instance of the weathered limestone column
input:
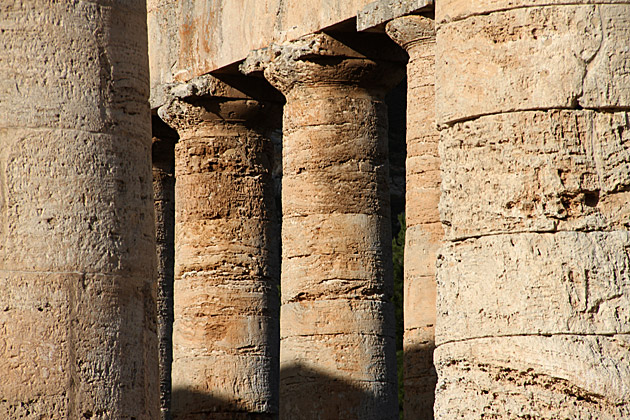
(337, 353)
(77, 243)
(163, 153)
(416, 34)
(225, 338)
(534, 282)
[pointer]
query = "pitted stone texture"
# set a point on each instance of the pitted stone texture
(524, 284)
(49, 75)
(450, 10)
(63, 228)
(77, 260)
(338, 316)
(205, 381)
(337, 347)
(536, 171)
(534, 58)
(348, 263)
(557, 377)
(335, 227)
(424, 232)
(225, 338)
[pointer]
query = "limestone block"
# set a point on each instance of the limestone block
(55, 207)
(424, 233)
(533, 58)
(308, 392)
(225, 334)
(338, 316)
(317, 365)
(299, 19)
(419, 372)
(554, 377)
(164, 42)
(362, 186)
(418, 346)
(192, 38)
(206, 388)
(420, 267)
(34, 336)
(425, 240)
(325, 110)
(450, 10)
(536, 171)
(228, 315)
(60, 325)
(380, 12)
(360, 361)
(336, 355)
(241, 203)
(423, 190)
(350, 263)
(524, 284)
(200, 248)
(77, 260)
(47, 84)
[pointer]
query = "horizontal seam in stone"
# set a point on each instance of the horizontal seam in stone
(424, 223)
(333, 213)
(539, 232)
(531, 6)
(374, 297)
(69, 272)
(332, 379)
(338, 334)
(420, 328)
(221, 355)
(332, 167)
(297, 127)
(446, 125)
(102, 133)
(240, 414)
(546, 335)
(375, 252)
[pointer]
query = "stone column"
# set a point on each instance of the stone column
(416, 34)
(77, 243)
(225, 336)
(163, 153)
(534, 283)
(337, 321)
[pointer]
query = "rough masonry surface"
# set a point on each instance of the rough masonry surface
(533, 283)
(424, 232)
(225, 335)
(77, 245)
(337, 321)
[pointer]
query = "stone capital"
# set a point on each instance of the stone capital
(207, 99)
(411, 30)
(321, 59)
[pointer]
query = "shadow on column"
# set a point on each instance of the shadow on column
(317, 395)
(224, 409)
(420, 381)
(320, 396)
(163, 155)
